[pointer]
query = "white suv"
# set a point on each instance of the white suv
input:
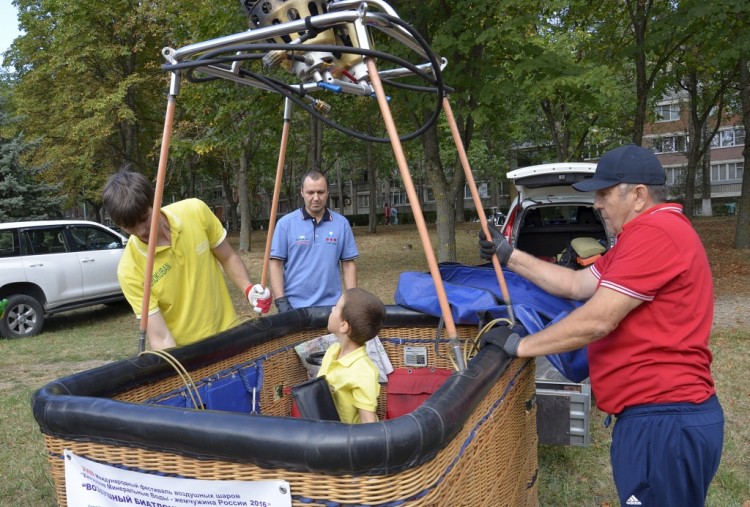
(52, 266)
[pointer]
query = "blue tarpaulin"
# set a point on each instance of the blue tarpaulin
(474, 296)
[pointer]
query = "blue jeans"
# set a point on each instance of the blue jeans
(667, 454)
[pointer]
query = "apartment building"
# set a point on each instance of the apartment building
(668, 138)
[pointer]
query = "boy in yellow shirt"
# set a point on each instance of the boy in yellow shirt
(189, 298)
(352, 376)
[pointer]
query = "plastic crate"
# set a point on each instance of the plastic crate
(563, 408)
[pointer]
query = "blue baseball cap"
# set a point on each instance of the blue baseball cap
(626, 164)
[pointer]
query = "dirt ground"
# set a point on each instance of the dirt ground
(731, 271)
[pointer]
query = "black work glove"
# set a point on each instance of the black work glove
(499, 245)
(502, 337)
(282, 304)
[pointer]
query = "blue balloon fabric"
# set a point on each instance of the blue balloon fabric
(474, 296)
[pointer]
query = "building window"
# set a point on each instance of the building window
(482, 189)
(363, 201)
(399, 197)
(667, 112)
(430, 195)
(726, 173)
(674, 176)
(729, 137)
(669, 144)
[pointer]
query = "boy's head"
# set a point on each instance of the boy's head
(358, 314)
(127, 197)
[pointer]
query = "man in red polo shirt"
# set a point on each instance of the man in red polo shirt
(646, 321)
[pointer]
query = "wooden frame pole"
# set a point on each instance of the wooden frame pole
(398, 151)
(477, 203)
(156, 209)
(276, 190)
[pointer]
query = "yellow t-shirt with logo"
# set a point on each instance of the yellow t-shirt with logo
(187, 285)
(353, 380)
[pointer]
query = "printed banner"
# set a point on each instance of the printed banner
(91, 484)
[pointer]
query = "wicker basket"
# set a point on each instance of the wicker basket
(488, 458)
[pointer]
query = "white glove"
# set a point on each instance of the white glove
(259, 297)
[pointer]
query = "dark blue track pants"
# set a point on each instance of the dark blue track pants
(665, 455)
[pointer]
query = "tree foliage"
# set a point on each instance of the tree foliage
(86, 86)
(481, 41)
(23, 194)
(570, 78)
(702, 71)
(572, 95)
(736, 24)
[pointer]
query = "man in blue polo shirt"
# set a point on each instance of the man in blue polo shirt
(307, 246)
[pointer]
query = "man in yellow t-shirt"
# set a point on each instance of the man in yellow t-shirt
(352, 376)
(189, 299)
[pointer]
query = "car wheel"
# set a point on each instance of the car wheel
(24, 316)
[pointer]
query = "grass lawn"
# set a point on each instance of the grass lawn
(79, 340)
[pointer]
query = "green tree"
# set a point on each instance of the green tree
(22, 195)
(225, 134)
(224, 130)
(742, 234)
(89, 87)
(704, 75)
(575, 95)
(737, 31)
(639, 39)
(360, 160)
(482, 41)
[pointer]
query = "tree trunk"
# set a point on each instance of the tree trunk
(549, 118)
(372, 187)
(639, 23)
(468, 132)
(316, 143)
(445, 223)
(495, 193)
(689, 206)
(695, 134)
(244, 199)
(460, 204)
(191, 177)
(339, 185)
(231, 215)
(97, 212)
(702, 100)
(444, 201)
(421, 184)
(742, 232)
(706, 209)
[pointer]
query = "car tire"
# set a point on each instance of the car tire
(23, 317)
